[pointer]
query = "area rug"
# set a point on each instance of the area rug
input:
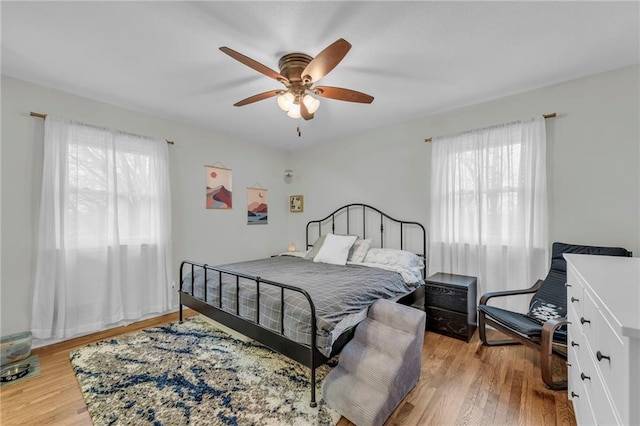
(191, 373)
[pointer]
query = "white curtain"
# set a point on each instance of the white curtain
(104, 253)
(489, 207)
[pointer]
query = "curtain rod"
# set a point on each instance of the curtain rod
(552, 115)
(41, 115)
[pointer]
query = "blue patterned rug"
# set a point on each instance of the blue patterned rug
(194, 374)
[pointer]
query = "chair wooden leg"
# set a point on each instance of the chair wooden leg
(482, 331)
(546, 353)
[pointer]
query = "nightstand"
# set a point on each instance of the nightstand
(450, 303)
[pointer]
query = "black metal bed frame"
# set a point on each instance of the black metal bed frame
(307, 355)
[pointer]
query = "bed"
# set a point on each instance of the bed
(304, 309)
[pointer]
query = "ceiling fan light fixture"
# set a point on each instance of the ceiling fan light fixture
(311, 103)
(299, 73)
(294, 111)
(285, 101)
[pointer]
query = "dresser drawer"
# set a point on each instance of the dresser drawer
(614, 371)
(449, 323)
(576, 345)
(575, 299)
(601, 403)
(608, 354)
(579, 395)
(592, 402)
(451, 298)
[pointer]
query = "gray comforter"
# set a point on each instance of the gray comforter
(337, 293)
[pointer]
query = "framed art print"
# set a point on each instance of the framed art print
(257, 206)
(219, 189)
(296, 204)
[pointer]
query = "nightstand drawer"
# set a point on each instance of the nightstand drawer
(454, 299)
(450, 323)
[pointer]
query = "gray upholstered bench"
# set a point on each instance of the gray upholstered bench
(379, 366)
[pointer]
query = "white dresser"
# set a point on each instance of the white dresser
(603, 309)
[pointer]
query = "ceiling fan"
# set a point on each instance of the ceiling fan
(299, 72)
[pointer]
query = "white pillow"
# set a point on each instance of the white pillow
(404, 262)
(359, 251)
(335, 249)
(401, 258)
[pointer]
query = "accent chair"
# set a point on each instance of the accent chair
(543, 328)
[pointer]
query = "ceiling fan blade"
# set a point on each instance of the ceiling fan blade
(258, 97)
(325, 61)
(343, 94)
(304, 112)
(255, 65)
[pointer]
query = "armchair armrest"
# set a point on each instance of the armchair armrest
(546, 352)
(485, 297)
(550, 326)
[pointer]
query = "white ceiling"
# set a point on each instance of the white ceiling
(415, 58)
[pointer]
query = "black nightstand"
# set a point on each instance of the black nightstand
(450, 303)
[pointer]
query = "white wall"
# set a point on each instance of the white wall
(199, 234)
(593, 161)
(593, 170)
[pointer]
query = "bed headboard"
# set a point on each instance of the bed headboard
(369, 222)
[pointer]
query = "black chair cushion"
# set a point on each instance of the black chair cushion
(523, 324)
(550, 301)
(558, 249)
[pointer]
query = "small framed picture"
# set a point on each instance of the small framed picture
(296, 204)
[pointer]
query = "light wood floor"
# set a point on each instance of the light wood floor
(461, 383)
(470, 384)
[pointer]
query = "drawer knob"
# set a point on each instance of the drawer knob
(574, 395)
(575, 344)
(573, 299)
(567, 285)
(582, 320)
(584, 377)
(601, 357)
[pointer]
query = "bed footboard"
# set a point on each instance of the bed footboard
(307, 355)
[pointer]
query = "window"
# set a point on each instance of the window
(103, 182)
(486, 185)
(104, 252)
(489, 205)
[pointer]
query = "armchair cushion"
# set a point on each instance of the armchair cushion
(559, 264)
(550, 301)
(523, 324)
